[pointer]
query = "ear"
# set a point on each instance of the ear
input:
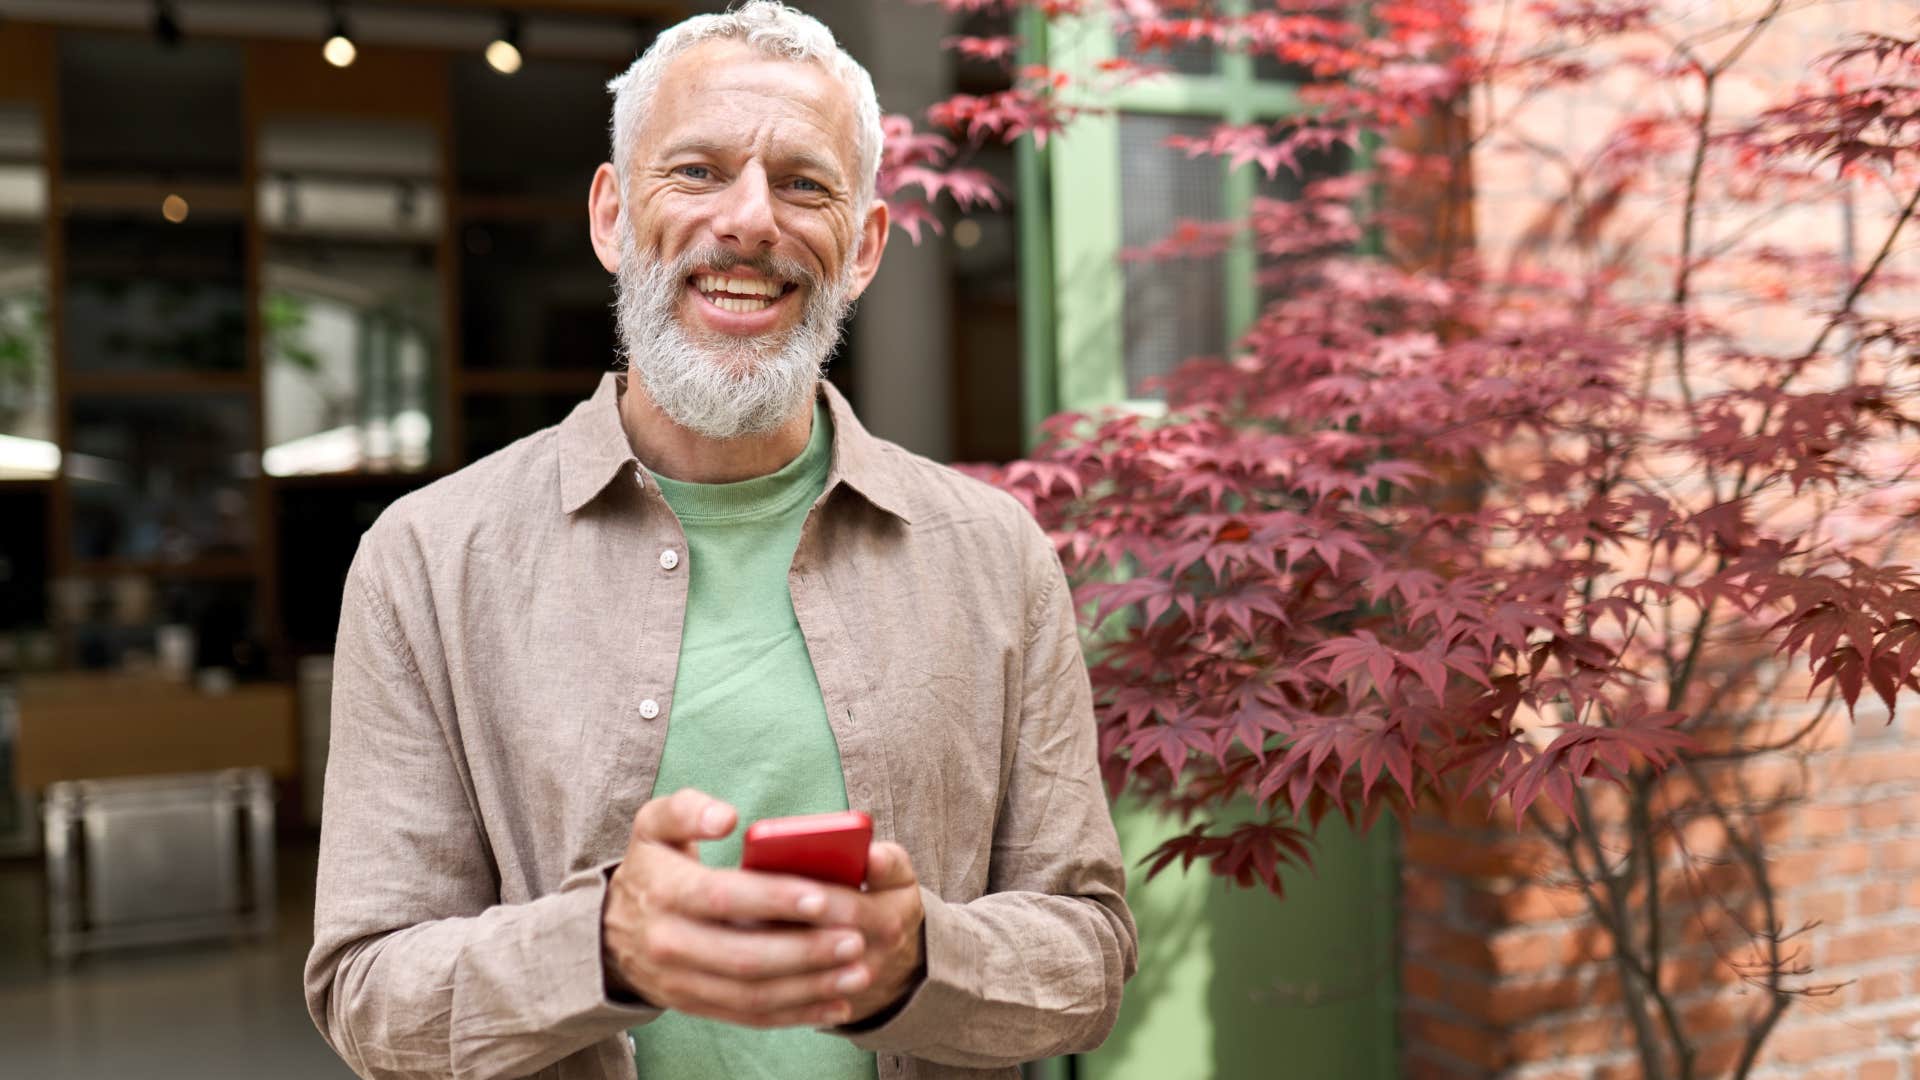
(603, 216)
(873, 244)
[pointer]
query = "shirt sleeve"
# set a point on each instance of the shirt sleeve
(417, 970)
(1034, 968)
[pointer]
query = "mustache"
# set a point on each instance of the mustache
(764, 263)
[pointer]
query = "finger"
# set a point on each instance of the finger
(889, 867)
(748, 896)
(797, 999)
(684, 816)
(752, 954)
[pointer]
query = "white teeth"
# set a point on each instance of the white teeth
(712, 283)
(739, 306)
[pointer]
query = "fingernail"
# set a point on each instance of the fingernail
(811, 904)
(848, 948)
(713, 819)
(851, 981)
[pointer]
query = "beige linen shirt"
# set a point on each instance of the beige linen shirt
(503, 683)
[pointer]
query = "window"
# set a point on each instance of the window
(1113, 185)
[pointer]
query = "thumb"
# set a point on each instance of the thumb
(683, 817)
(888, 867)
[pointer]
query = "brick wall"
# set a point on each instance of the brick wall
(1505, 974)
(1504, 971)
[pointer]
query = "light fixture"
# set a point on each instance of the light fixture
(503, 52)
(166, 26)
(339, 49)
(174, 209)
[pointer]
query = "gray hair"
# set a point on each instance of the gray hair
(775, 30)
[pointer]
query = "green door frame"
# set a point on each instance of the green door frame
(1072, 293)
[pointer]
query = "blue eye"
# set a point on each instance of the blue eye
(695, 172)
(810, 185)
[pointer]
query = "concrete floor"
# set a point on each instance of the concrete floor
(202, 1012)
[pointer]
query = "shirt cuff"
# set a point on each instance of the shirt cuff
(631, 1010)
(950, 985)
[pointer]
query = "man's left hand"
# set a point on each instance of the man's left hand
(892, 918)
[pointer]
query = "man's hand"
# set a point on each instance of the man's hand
(891, 920)
(709, 942)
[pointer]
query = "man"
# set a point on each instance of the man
(567, 676)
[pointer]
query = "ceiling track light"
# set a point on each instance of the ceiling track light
(166, 25)
(339, 49)
(503, 52)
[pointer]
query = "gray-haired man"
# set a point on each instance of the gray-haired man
(710, 581)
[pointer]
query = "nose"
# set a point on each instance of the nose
(745, 217)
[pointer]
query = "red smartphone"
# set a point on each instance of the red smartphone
(824, 847)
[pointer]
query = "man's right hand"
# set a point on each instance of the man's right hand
(710, 942)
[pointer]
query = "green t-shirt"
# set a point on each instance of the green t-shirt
(748, 725)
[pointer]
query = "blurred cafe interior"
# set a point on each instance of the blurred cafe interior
(265, 266)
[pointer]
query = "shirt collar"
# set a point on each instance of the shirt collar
(594, 450)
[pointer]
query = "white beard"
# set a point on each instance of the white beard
(720, 386)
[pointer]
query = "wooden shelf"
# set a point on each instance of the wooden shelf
(145, 196)
(89, 726)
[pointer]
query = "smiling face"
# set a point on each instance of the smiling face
(741, 240)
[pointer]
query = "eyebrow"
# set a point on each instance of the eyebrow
(802, 157)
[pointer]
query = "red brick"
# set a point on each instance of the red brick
(1885, 986)
(1829, 907)
(1846, 860)
(1883, 766)
(1567, 1038)
(1899, 855)
(1808, 1043)
(1819, 822)
(1858, 946)
(1903, 1026)
(1818, 865)
(1717, 1057)
(1534, 903)
(1892, 812)
(1526, 952)
(1684, 973)
(1878, 898)
(1711, 1015)
(1423, 893)
(1471, 1045)
(1461, 992)
(1511, 1001)
(1880, 1069)
(1461, 857)
(1432, 942)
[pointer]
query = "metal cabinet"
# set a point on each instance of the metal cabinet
(148, 860)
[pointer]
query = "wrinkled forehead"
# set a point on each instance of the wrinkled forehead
(729, 84)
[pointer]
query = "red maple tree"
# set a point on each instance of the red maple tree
(1446, 528)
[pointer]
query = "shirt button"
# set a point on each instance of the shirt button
(649, 709)
(669, 559)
